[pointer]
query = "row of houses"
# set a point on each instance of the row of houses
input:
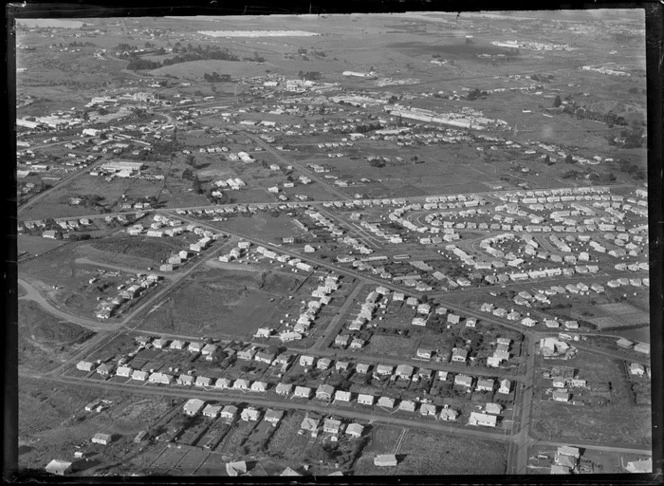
(294, 262)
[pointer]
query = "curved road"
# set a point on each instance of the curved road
(34, 295)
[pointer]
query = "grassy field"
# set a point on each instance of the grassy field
(391, 345)
(262, 225)
(219, 303)
(627, 426)
(143, 247)
(428, 454)
(52, 420)
(44, 339)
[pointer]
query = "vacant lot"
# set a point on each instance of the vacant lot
(393, 346)
(218, 303)
(427, 454)
(286, 444)
(52, 420)
(626, 426)
(262, 225)
(44, 340)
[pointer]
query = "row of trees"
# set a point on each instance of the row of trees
(215, 77)
(183, 54)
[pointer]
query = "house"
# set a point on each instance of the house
(624, 343)
(386, 402)
(193, 406)
(453, 319)
(341, 340)
(241, 384)
(342, 396)
(229, 412)
(211, 411)
(471, 322)
(482, 419)
(364, 399)
(447, 414)
(385, 460)
(384, 369)
(177, 344)
(424, 353)
(289, 472)
(302, 392)
(557, 469)
(493, 408)
(463, 380)
(258, 386)
(264, 357)
(273, 416)
(250, 414)
(505, 386)
(355, 344)
(428, 409)
(105, 369)
(323, 363)
(310, 424)
(355, 430)
(363, 368)
(246, 354)
(485, 385)
(208, 349)
(284, 389)
(203, 381)
(222, 383)
(85, 366)
(407, 406)
(641, 466)
(263, 332)
(307, 361)
(560, 396)
(160, 343)
(103, 439)
(636, 369)
(643, 348)
(195, 347)
(459, 355)
(160, 378)
(139, 375)
(404, 371)
(331, 426)
(341, 365)
(58, 467)
(324, 392)
(236, 468)
(185, 380)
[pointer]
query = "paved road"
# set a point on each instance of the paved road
(122, 268)
(522, 438)
(371, 416)
(595, 447)
(331, 331)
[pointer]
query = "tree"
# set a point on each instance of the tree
(196, 185)
(190, 160)
(557, 101)
(569, 159)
